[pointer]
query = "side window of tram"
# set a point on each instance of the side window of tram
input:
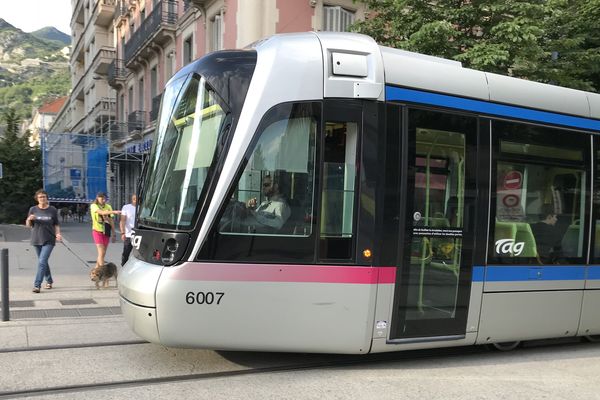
(274, 194)
(339, 180)
(539, 195)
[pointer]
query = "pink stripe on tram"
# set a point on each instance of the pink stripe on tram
(281, 273)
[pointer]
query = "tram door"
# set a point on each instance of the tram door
(437, 193)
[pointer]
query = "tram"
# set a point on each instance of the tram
(317, 192)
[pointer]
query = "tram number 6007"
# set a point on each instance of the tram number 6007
(204, 297)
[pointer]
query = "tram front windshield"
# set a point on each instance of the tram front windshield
(188, 129)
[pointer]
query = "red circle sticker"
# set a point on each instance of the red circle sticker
(513, 180)
(511, 200)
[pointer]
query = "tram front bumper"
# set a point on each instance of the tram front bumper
(141, 320)
(137, 290)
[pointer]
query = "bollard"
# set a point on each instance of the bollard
(4, 284)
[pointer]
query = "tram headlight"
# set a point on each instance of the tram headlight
(169, 252)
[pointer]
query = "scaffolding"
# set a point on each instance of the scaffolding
(74, 166)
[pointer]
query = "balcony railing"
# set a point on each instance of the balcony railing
(163, 16)
(118, 131)
(155, 107)
(116, 73)
(104, 107)
(136, 121)
(121, 9)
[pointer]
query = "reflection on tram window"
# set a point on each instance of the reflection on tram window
(186, 144)
(274, 195)
(539, 197)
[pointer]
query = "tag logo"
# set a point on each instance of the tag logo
(136, 240)
(508, 246)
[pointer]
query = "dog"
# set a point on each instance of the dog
(103, 273)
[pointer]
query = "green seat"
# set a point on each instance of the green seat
(505, 230)
(525, 235)
(570, 242)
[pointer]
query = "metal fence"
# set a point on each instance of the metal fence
(74, 166)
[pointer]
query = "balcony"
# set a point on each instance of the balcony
(159, 28)
(78, 88)
(102, 60)
(118, 132)
(78, 127)
(136, 121)
(116, 73)
(103, 12)
(103, 109)
(77, 7)
(77, 53)
(155, 107)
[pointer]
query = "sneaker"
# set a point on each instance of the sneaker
(48, 286)
(36, 290)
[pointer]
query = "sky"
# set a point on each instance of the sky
(31, 15)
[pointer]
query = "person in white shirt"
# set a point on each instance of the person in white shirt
(272, 213)
(126, 224)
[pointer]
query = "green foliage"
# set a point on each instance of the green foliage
(553, 41)
(24, 96)
(22, 171)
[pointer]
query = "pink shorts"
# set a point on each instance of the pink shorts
(100, 238)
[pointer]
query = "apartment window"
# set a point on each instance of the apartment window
(130, 99)
(122, 108)
(141, 95)
(153, 82)
(217, 33)
(187, 50)
(337, 19)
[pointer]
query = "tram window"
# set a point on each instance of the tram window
(339, 179)
(539, 195)
(274, 194)
(180, 167)
(596, 201)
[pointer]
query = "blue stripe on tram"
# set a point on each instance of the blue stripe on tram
(528, 273)
(486, 107)
(594, 273)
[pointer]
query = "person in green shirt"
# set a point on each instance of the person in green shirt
(103, 225)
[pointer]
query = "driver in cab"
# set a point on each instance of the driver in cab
(273, 212)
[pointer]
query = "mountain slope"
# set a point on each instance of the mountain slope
(32, 70)
(52, 34)
(16, 45)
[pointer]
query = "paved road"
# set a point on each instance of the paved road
(74, 344)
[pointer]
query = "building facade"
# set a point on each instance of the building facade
(43, 118)
(124, 52)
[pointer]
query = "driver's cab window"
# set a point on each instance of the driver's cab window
(274, 194)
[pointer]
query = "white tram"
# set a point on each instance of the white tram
(321, 193)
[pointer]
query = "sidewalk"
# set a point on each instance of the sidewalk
(73, 312)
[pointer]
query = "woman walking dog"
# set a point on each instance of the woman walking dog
(103, 225)
(43, 219)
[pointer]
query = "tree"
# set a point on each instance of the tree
(542, 40)
(21, 169)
